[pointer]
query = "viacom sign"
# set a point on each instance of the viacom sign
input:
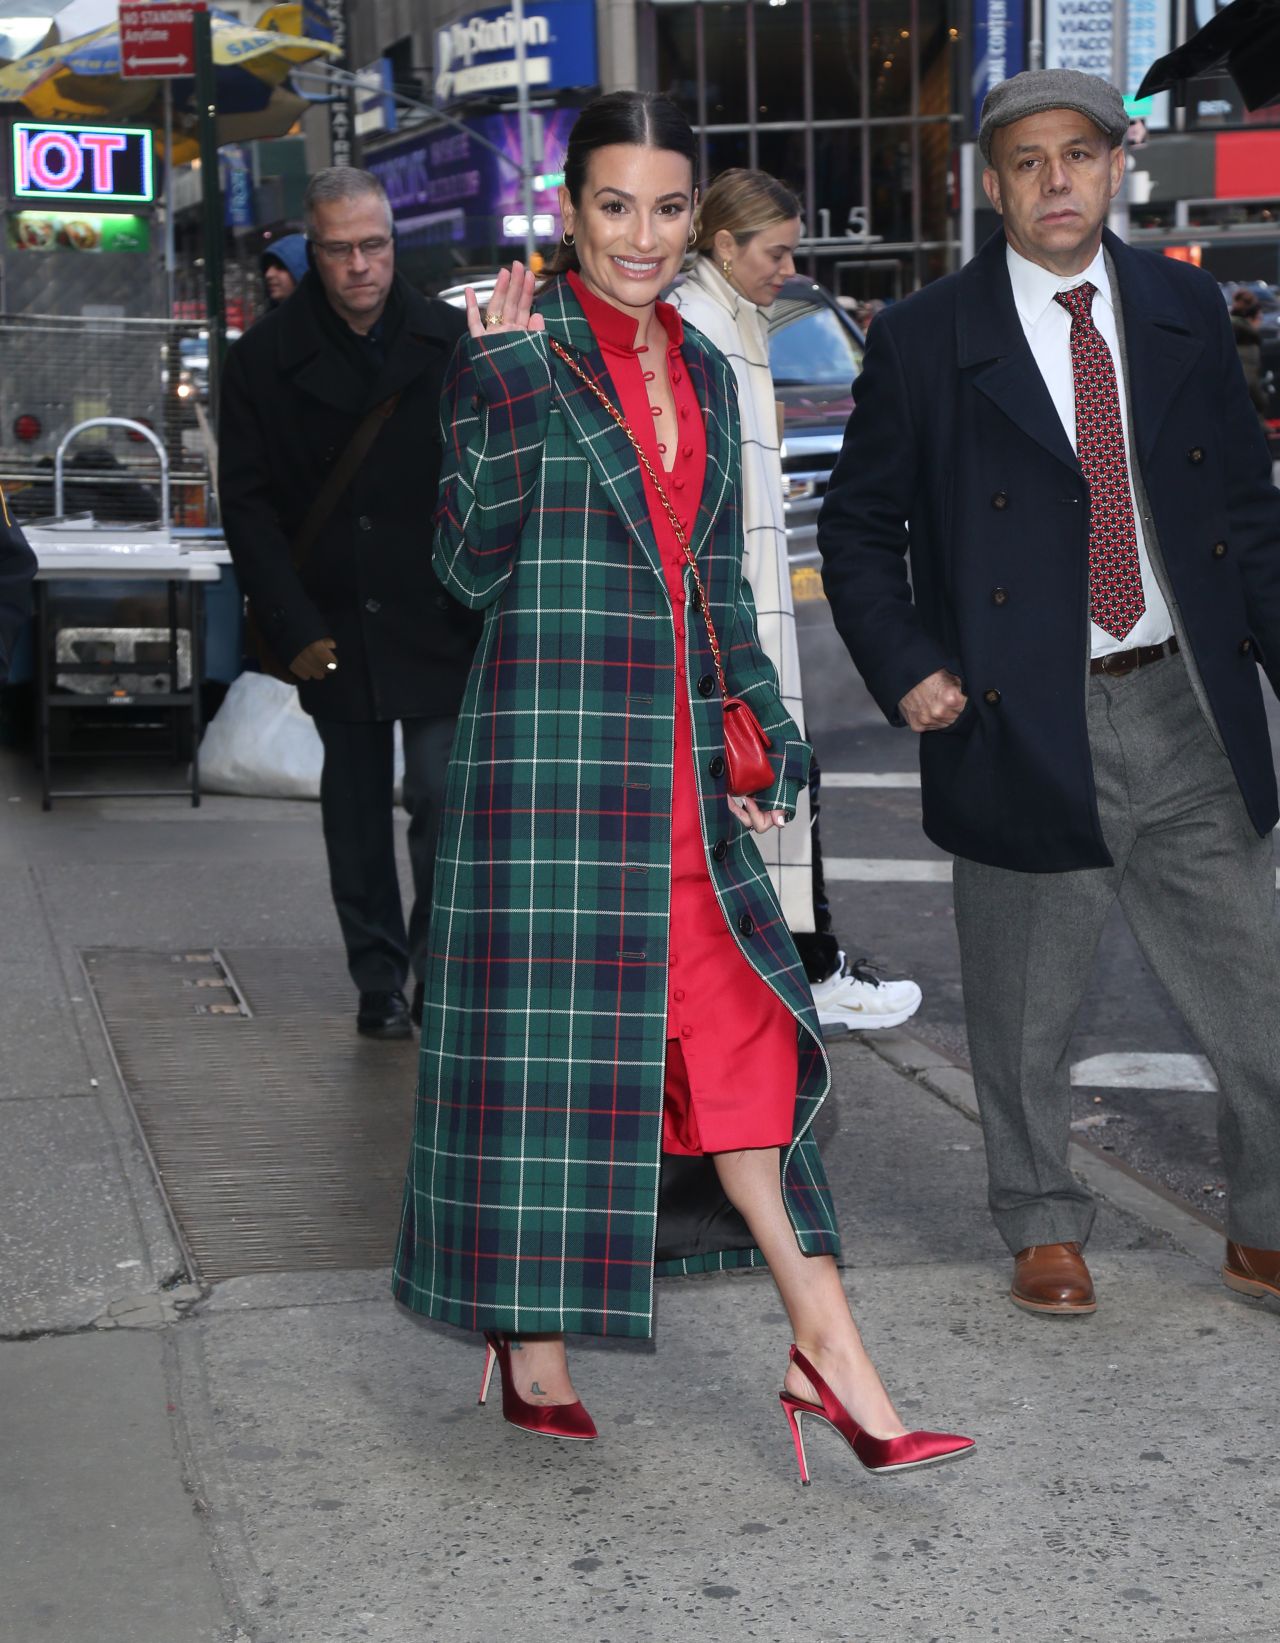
(476, 56)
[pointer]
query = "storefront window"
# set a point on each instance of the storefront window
(892, 183)
(676, 41)
(889, 56)
(935, 180)
(938, 48)
(837, 184)
(797, 82)
(836, 56)
(781, 154)
(725, 37)
(725, 149)
(779, 54)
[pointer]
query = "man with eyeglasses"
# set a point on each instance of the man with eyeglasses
(329, 461)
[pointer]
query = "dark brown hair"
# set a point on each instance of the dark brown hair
(643, 118)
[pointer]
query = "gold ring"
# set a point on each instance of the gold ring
(493, 319)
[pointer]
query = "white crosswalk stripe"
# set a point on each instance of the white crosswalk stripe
(870, 778)
(1144, 1070)
(886, 869)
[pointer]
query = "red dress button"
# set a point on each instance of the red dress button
(678, 995)
(678, 485)
(686, 1032)
(687, 451)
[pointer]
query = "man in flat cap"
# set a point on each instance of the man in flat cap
(1094, 542)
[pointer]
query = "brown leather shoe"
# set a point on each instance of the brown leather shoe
(1052, 1278)
(1253, 1272)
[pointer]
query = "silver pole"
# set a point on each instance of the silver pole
(1118, 217)
(968, 168)
(170, 257)
(1035, 36)
(526, 133)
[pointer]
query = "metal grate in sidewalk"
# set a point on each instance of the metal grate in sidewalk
(278, 1134)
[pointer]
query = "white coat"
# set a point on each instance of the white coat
(739, 330)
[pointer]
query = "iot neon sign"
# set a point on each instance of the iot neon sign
(107, 164)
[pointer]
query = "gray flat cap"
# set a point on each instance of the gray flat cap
(1037, 89)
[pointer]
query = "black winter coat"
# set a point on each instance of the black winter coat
(955, 452)
(17, 572)
(291, 400)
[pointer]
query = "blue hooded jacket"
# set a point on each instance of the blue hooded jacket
(290, 251)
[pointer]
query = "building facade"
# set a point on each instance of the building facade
(865, 107)
(849, 101)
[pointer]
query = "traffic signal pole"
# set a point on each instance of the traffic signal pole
(211, 200)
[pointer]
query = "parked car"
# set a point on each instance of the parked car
(815, 352)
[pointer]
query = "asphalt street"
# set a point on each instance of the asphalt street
(1143, 1091)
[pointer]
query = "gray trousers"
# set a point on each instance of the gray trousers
(356, 787)
(1198, 888)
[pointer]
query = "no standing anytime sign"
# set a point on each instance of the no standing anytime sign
(157, 40)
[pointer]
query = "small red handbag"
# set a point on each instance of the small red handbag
(746, 746)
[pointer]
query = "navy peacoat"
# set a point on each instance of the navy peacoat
(954, 452)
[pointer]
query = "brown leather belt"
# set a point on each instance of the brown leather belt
(1119, 662)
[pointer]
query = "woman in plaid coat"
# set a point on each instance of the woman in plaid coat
(553, 1113)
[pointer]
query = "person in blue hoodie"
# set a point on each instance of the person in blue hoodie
(283, 264)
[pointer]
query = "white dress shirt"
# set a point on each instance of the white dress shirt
(1047, 325)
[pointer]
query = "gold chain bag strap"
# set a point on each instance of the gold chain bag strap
(745, 743)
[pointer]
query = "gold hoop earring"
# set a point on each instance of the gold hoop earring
(693, 237)
(568, 240)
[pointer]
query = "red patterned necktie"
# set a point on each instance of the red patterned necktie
(1115, 573)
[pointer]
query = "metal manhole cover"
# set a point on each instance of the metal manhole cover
(279, 1135)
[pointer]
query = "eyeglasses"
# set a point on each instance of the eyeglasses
(344, 250)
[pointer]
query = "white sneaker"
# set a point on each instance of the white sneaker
(864, 1000)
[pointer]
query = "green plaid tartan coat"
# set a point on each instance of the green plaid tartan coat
(533, 1185)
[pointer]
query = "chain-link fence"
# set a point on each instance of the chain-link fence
(60, 371)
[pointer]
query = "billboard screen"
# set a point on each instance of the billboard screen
(110, 165)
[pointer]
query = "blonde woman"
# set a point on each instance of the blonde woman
(748, 229)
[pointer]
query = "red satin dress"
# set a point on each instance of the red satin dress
(732, 1055)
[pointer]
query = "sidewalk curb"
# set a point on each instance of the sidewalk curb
(1103, 1173)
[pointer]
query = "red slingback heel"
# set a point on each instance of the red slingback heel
(881, 1455)
(549, 1420)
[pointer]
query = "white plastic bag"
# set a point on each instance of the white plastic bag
(261, 745)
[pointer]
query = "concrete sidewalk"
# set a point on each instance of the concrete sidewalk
(289, 1459)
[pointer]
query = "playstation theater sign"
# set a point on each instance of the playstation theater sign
(476, 56)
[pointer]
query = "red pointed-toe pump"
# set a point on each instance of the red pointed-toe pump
(549, 1420)
(881, 1455)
